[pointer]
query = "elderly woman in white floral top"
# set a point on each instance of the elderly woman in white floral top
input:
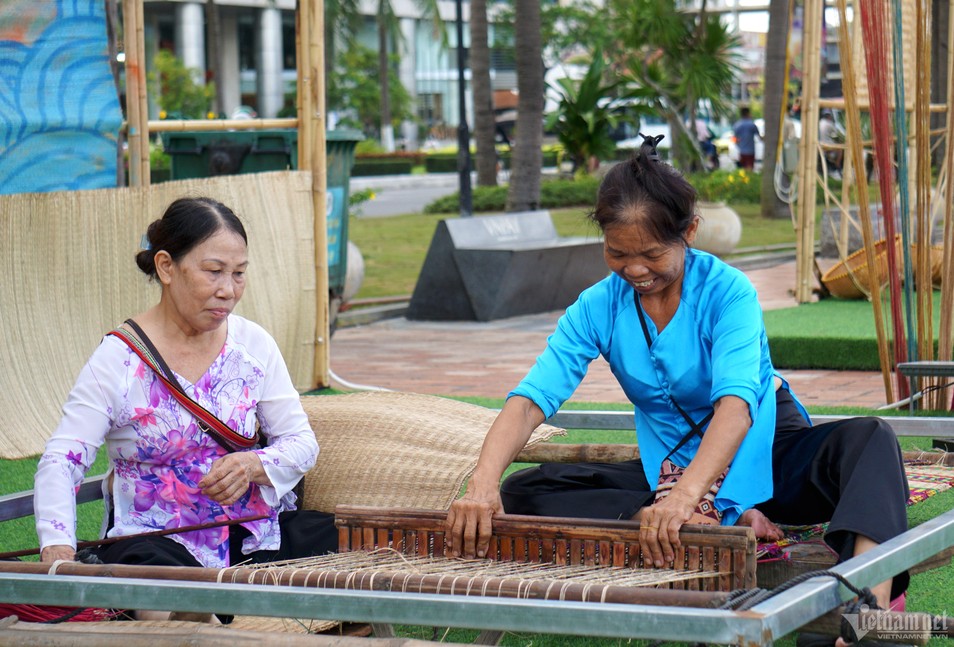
(164, 470)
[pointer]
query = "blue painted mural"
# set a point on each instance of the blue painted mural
(59, 113)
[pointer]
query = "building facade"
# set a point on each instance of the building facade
(256, 52)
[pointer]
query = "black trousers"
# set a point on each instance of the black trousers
(849, 473)
(305, 533)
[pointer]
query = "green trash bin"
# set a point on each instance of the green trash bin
(198, 154)
(339, 152)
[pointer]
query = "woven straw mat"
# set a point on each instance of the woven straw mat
(68, 276)
(395, 449)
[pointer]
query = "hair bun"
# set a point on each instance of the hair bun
(648, 147)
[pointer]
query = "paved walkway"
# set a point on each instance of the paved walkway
(488, 359)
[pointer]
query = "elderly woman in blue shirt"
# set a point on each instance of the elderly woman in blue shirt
(722, 438)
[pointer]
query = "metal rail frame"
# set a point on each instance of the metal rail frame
(761, 625)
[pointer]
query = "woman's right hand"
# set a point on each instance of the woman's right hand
(469, 523)
(58, 552)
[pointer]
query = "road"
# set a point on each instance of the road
(401, 194)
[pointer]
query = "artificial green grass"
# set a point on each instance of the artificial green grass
(836, 334)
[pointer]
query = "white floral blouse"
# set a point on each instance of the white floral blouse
(157, 454)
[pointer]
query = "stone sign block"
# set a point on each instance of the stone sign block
(492, 267)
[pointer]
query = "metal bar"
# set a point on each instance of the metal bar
(927, 368)
(14, 506)
(767, 621)
(801, 604)
(541, 616)
(623, 420)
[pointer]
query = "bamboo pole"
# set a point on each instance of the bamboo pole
(319, 178)
(945, 332)
(922, 273)
(135, 89)
(123, 634)
(808, 152)
(206, 125)
(853, 115)
(619, 452)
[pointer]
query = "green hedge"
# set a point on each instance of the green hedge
(835, 334)
(364, 167)
(553, 195)
(447, 162)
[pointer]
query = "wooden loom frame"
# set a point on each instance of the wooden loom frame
(563, 541)
(815, 602)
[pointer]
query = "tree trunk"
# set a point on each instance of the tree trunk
(524, 191)
(214, 64)
(384, 77)
(484, 125)
(776, 79)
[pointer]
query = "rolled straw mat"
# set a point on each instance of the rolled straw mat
(395, 449)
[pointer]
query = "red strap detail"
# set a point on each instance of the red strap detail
(220, 432)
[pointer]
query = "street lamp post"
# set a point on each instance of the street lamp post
(463, 133)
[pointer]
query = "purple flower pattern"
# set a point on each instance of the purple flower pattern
(158, 454)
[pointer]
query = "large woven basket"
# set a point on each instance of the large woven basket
(851, 278)
(398, 450)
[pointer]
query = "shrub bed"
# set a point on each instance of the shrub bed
(447, 162)
(553, 194)
(365, 167)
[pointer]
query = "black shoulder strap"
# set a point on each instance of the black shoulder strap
(695, 428)
(155, 354)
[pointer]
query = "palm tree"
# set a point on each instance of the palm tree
(776, 77)
(586, 115)
(523, 193)
(388, 32)
(484, 126)
(343, 20)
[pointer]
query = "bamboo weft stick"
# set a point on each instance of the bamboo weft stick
(155, 533)
(123, 634)
(618, 452)
(381, 580)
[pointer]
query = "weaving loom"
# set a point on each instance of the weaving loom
(712, 558)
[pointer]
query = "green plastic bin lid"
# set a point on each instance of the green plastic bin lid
(344, 134)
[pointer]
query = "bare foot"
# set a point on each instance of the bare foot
(764, 529)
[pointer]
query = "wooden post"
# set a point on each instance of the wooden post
(808, 152)
(136, 109)
(312, 156)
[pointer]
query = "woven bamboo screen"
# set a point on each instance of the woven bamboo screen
(69, 276)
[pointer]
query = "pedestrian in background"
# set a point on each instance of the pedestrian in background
(745, 132)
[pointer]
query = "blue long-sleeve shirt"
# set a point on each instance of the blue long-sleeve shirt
(714, 346)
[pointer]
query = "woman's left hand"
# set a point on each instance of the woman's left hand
(659, 526)
(230, 477)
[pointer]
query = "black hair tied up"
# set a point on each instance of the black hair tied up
(186, 223)
(648, 187)
(648, 148)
